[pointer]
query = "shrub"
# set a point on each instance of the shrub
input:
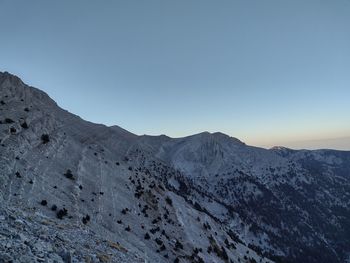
(24, 125)
(62, 213)
(219, 251)
(162, 248)
(8, 120)
(154, 230)
(178, 245)
(69, 174)
(54, 207)
(209, 249)
(45, 138)
(13, 130)
(234, 237)
(86, 219)
(43, 202)
(128, 228)
(147, 236)
(169, 201)
(159, 241)
(206, 226)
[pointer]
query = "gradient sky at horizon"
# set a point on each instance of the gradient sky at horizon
(267, 72)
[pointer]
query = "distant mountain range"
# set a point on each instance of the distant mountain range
(342, 143)
(75, 191)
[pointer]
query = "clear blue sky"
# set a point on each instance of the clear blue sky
(267, 72)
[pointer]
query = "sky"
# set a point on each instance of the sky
(267, 72)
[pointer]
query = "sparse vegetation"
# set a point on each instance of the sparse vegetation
(62, 213)
(9, 121)
(169, 201)
(68, 174)
(24, 125)
(86, 219)
(45, 138)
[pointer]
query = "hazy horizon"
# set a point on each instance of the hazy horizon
(268, 73)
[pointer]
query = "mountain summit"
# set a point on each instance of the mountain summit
(75, 191)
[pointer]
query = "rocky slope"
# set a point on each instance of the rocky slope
(93, 193)
(291, 206)
(74, 191)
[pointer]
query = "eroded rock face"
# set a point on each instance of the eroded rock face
(203, 198)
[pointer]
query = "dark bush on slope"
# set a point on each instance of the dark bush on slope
(62, 213)
(86, 219)
(45, 138)
(24, 125)
(8, 121)
(69, 174)
(169, 201)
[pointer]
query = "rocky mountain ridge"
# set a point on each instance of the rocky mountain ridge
(120, 197)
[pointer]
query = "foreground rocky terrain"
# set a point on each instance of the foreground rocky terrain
(74, 191)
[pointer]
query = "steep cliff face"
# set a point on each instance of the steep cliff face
(90, 192)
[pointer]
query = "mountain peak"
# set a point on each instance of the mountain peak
(13, 79)
(214, 135)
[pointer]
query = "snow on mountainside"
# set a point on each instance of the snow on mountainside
(87, 192)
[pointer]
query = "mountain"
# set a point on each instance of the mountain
(75, 191)
(342, 143)
(292, 206)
